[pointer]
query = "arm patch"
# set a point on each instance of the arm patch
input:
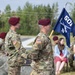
(38, 41)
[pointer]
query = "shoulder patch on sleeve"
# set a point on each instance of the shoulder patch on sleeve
(38, 40)
(17, 44)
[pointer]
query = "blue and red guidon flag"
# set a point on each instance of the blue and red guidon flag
(64, 25)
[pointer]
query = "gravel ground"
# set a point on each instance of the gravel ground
(26, 70)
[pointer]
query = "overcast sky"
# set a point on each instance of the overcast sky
(15, 3)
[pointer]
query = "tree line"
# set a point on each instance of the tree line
(29, 15)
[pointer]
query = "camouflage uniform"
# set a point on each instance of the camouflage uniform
(42, 56)
(14, 51)
(2, 49)
(71, 57)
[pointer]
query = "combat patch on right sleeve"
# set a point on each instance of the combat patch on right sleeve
(38, 40)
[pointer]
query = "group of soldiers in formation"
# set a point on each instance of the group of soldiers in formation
(41, 54)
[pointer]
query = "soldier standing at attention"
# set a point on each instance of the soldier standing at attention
(42, 53)
(13, 47)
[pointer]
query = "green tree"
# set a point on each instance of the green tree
(19, 11)
(29, 15)
(40, 11)
(28, 20)
(48, 11)
(6, 16)
(8, 10)
(73, 12)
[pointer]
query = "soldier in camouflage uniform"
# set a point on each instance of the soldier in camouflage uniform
(72, 56)
(42, 53)
(2, 39)
(13, 47)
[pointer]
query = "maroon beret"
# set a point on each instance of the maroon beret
(2, 35)
(55, 38)
(44, 22)
(14, 20)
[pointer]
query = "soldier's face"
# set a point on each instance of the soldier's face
(48, 28)
(18, 26)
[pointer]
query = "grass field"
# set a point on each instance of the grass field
(68, 73)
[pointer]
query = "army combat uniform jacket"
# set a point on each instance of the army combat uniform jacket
(14, 51)
(42, 54)
(2, 49)
(71, 57)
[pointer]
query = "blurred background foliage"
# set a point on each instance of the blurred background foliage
(29, 15)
